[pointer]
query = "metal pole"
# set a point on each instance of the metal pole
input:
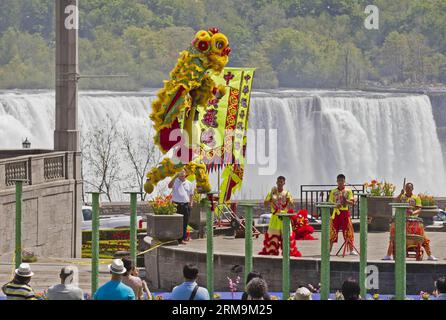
(400, 250)
(133, 226)
(18, 222)
(210, 248)
(248, 240)
(95, 243)
(325, 249)
(286, 256)
(363, 244)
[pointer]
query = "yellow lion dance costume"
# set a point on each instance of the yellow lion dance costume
(190, 86)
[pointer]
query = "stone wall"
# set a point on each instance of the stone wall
(164, 271)
(51, 204)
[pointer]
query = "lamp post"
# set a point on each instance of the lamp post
(26, 144)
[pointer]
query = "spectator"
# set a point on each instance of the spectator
(252, 275)
(350, 290)
(189, 289)
(256, 289)
(131, 279)
(115, 289)
(19, 288)
(440, 288)
(65, 290)
(302, 293)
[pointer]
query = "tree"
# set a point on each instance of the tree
(142, 154)
(103, 158)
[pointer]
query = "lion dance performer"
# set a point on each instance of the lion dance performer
(280, 201)
(301, 226)
(340, 219)
(407, 195)
(190, 87)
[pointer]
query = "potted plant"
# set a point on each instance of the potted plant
(380, 195)
(429, 209)
(164, 224)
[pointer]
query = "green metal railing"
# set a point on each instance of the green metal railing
(18, 221)
(400, 249)
(325, 249)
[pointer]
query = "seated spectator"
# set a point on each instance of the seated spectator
(65, 290)
(302, 293)
(189, 289)
(19, 288)
(115, 289)
(131, 279)
(256, 289)
(252, 275)
(350, 290)
(440, 288)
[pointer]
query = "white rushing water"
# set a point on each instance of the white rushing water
(319, 133)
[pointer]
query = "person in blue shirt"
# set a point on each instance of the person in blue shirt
(189, 289)
(115, 289)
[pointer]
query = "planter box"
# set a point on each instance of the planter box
(197, 219)
(165, 227)
(379, 212)
(427, 214)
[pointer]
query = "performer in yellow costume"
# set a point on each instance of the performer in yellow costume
(280, 201)
(340, 219)
(415, 202)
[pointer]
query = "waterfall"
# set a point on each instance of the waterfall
(319, 133)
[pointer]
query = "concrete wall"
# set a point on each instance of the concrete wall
(164, 271)
(51, 220)
(111, 208)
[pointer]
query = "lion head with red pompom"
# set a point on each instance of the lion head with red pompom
(213, 46)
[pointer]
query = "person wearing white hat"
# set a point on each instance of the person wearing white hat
(115, 289)
(65, 290)
(19, 288)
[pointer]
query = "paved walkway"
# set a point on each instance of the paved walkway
(376, 248)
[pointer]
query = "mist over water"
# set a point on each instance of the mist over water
(319, 134)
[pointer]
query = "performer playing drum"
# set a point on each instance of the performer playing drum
(414, 225)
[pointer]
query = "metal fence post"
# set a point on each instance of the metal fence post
(95, 242)
(248, 240)
(286, 255)
(325, 249)
(210, 246)
(133, 226)
(363, 226)
(400, 249)
(18, 221)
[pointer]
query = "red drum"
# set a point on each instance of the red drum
(414, 231)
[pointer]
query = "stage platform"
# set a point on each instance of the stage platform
(164, 264)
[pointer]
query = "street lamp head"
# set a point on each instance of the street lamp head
(26, 144)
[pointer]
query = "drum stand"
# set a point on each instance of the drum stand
(344, 245)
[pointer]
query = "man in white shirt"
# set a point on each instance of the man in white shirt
(182, 196)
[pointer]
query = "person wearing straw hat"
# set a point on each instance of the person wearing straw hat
(19, 288)
(115, 289)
